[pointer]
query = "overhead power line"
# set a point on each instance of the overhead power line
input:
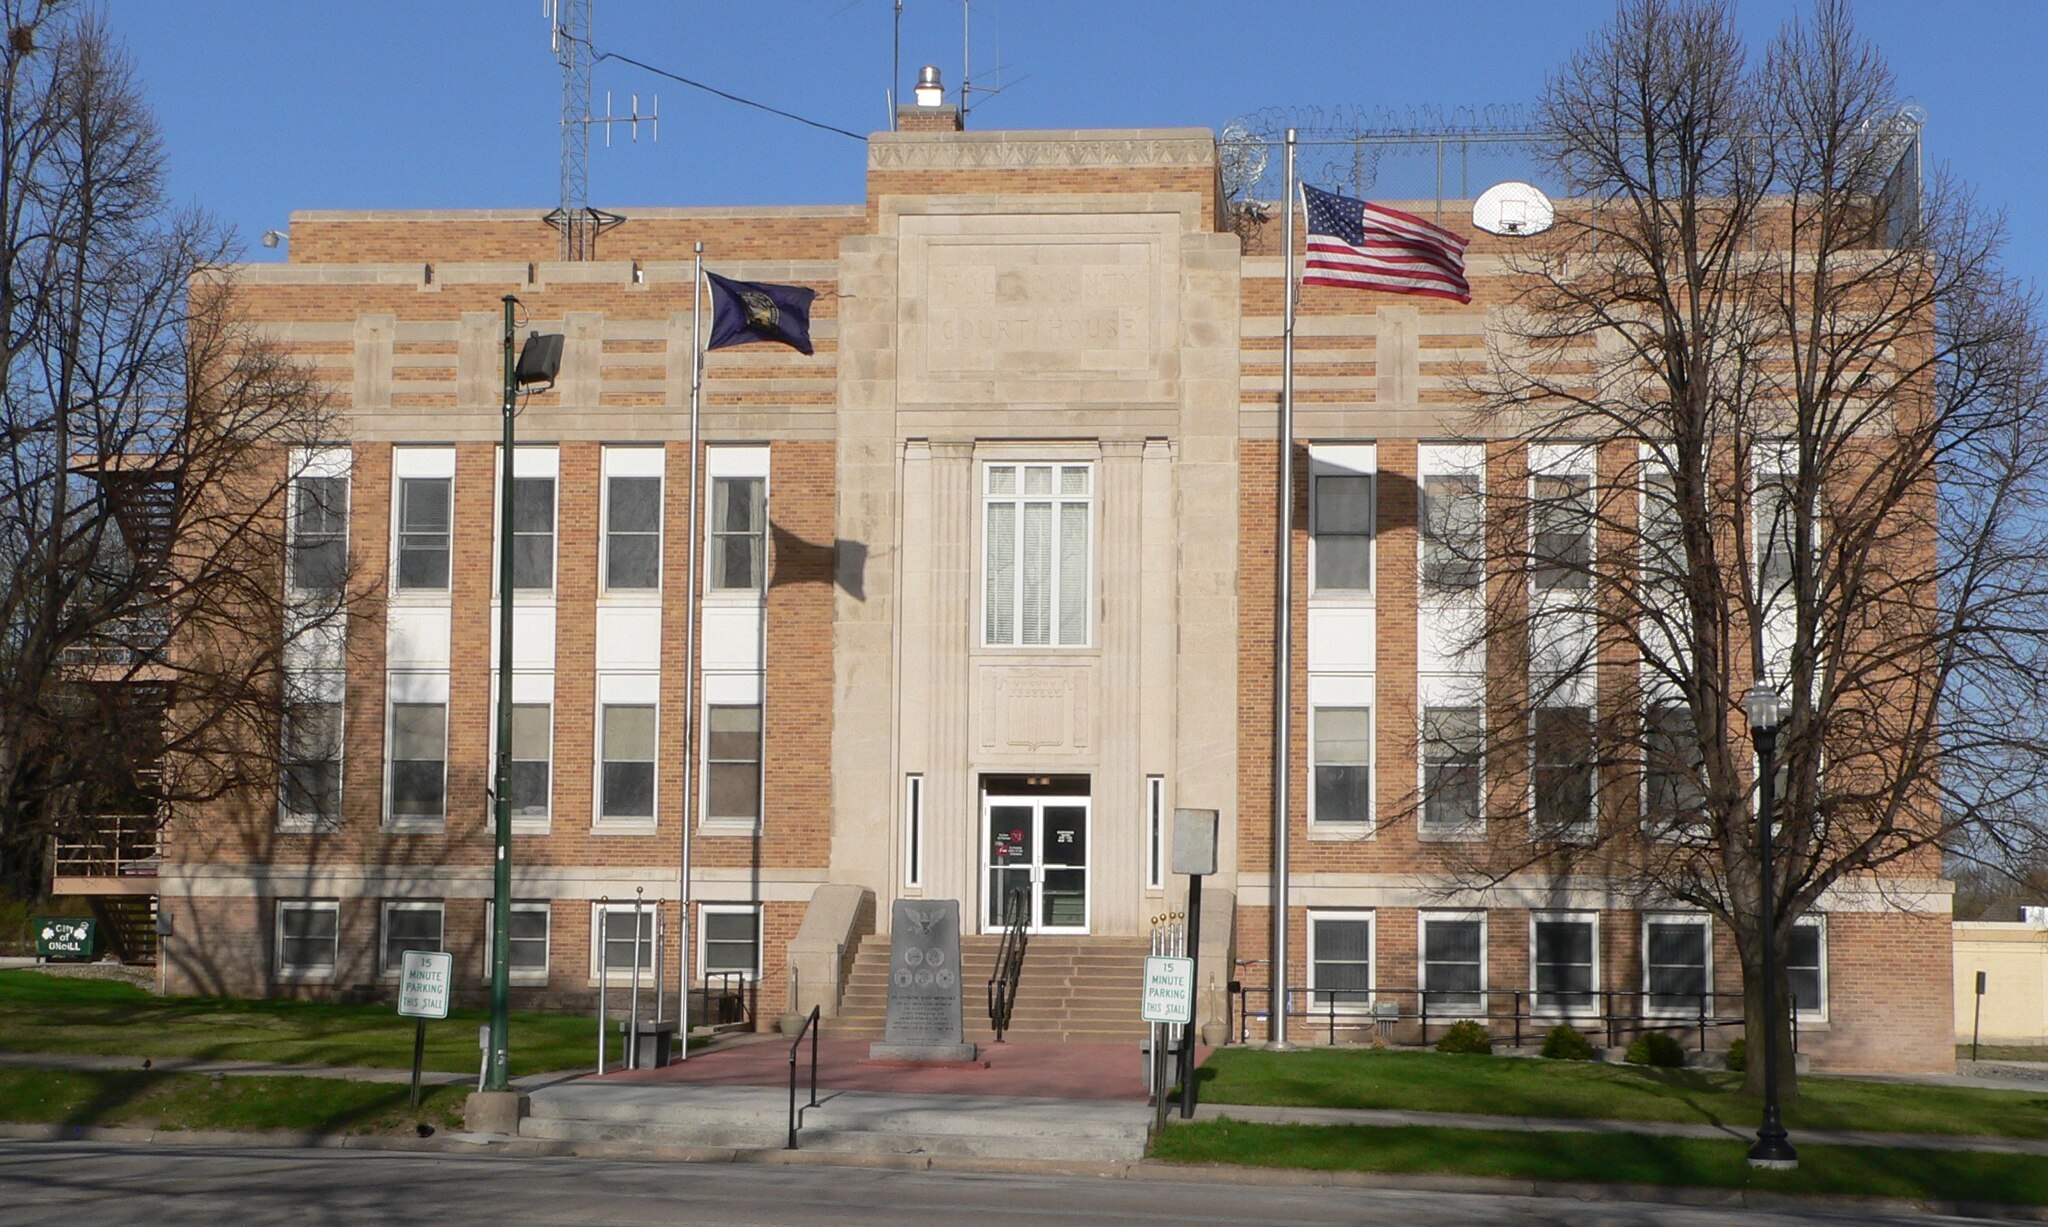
(729, 97)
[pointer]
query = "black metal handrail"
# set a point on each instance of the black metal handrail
(796, 1114)
(731, 1006)
(1605, 1011)
(1002, 981)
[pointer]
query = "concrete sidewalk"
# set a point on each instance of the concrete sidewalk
(1390, 1118)
(947, 1123)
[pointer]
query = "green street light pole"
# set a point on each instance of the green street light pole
(537, 363)
(501, 792)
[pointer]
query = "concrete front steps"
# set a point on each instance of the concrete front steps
(692, 1117)
(1084, 989)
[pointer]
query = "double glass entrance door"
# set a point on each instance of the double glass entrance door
(1038, 845)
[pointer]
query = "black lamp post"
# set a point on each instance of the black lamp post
(1773, 1149)
(535, 367)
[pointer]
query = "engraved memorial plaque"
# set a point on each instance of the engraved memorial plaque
(924, 975)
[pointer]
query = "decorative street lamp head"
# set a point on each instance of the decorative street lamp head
(1765, 708)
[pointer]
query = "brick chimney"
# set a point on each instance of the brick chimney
(929, 112)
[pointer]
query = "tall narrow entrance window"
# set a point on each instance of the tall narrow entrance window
(913, 830)
(1155, 827)
(1035, 559)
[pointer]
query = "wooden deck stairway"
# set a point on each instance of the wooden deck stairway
(1084, 989)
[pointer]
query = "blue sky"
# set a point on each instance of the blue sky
(269, 107)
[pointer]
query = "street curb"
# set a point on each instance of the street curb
(1141, 1170)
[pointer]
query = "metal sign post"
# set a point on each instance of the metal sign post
(1194, 854)
(424, 978)
(1977, 1022)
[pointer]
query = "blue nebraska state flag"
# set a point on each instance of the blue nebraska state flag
(743, 311)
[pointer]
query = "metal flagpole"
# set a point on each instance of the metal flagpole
(1283, 622)
(690, 659)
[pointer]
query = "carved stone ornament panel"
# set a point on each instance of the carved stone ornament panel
(1027, 710)
(991, 154)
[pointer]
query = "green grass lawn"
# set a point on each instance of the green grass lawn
(41, 1013)
(194, 1101)
(1504, 1086)
(1609, 1158)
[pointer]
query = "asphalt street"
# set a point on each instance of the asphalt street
(99, 1185)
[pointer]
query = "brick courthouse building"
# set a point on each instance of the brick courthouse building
(987, 592)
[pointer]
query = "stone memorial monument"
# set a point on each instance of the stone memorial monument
(924, 984)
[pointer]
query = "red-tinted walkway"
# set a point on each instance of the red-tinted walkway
(1050, 1071)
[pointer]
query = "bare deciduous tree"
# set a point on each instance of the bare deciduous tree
(1765, 408)
(144, 626)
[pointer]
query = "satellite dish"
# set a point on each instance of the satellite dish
(1514, 209)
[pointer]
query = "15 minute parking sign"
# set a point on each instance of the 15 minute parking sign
(1169, 989)
(423, 981)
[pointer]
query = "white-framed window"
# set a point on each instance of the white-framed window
(1806, 968)
(1453, 767)
(1774, 522)
(913, 830)
(1454, 962)
(739, 534)
(1678, 963)
(632, 514)
(1340, 960)
(425, 533)
(533, 534)
(1562, 746)
(1035, 554)
(614, 946)
(732, 763)
(1564, 962)
(1340, 739)
(416, 741)
(1561, 531)
(407, 926)
(1674, 801)
(1155, 832)
(308, 937)
(1341, 517)
(317, 562)
(729, 939)
(530, 921)
(626, 739)
(309, 768)
(1453, 531)
(532, 768)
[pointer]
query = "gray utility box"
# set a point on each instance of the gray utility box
(655, 1039)
(1194, 841)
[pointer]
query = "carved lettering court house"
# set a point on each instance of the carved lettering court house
(986, 592)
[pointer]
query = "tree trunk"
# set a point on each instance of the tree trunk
(1754, 1021)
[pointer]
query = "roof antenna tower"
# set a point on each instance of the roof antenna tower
(967, 87)
(569, 37)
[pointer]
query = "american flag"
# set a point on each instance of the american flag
(1358, 243)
